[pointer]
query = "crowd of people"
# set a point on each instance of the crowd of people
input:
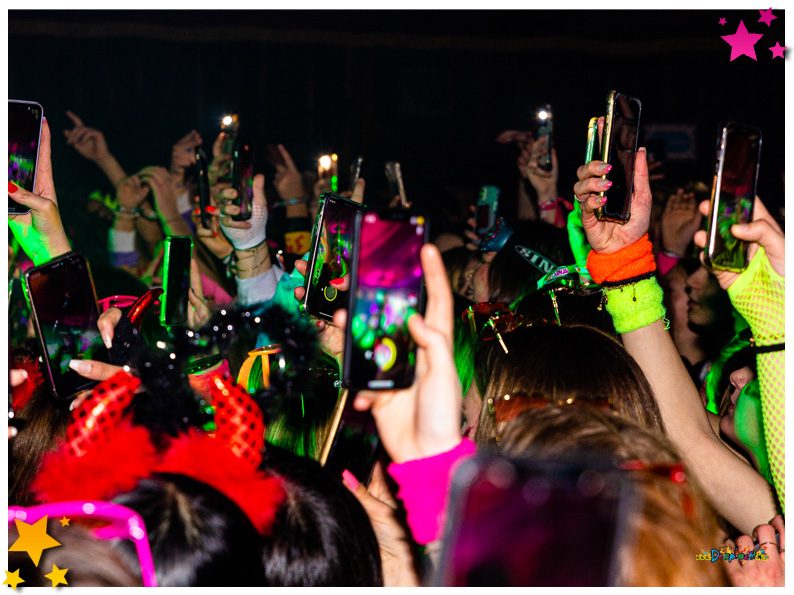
(666, 371)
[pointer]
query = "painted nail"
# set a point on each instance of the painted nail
(602, 200)
(215, 234)
(349, 479)
(12, 187)
(197, 211)
(210, 209)
(44, 118)
(605, 184)
(319, 324)
(80, 366)
(336, 282)
(606, 168)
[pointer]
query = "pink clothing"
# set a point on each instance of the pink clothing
(218, 293)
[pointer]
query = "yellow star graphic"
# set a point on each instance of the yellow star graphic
(33, 539)
(57, 576)
(12, 579)
(65, 522)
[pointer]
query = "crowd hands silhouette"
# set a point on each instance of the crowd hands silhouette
(661, 378)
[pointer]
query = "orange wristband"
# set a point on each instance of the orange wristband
(633, 262)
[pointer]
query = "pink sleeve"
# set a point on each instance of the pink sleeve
(424, 488)
(665, 262)
(222, 298)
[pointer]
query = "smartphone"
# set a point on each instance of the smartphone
(394, 177)
(355, 171)
(24, 134)
(330, 256)
(619, 149)
(485, 211)
(534, 522)
(328, 169)
(230, 124)
(243, 177)
(732, 195)
(176, 281)
(352, 442)
(64, 309)
(203, 186)
(543, 121)
(385, 289)
(592, 136)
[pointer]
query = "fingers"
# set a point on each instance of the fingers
(438, 313)
(642, 182)
(107, 323)
(300, 293)
(358, 192)
(45, 186)
(302, 266)
(780, 525)
(600, 127)
(765, 536)
(195, 280)
(340, 319)
(763, 233)
(217, 146)
(760, 212)
(342, 283)
(93, 370)
(74, 118)
(17, 377)
(287, 158)
(33, 201)
(259, 190)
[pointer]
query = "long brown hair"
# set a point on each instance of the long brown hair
(575, 361)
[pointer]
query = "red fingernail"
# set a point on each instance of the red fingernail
(197, 212)
(210, 209)
(337, 282)
(12, 187)
(215, 234)
(319, 324)
(349, 479)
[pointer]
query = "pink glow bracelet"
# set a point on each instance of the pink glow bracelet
(424, 488)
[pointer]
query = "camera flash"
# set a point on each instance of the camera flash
(325, 162)
(543, 114)
(227, 120)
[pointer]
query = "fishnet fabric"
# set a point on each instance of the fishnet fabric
(759, 295)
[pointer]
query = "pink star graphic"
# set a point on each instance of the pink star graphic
(767, 17)
(722, 21)
(742, 42)
(777, 51)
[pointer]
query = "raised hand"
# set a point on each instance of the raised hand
(165, 193)
(606, 237)
(680, 220)
(288, 180)
(89, 142)
(131, 192)
(183, 153)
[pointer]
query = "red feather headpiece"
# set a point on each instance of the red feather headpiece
(106, 455)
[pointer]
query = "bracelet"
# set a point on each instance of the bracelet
(125, 215)
(634, 305)
(127, 210)
(291, 201)
(628, 265)
(768, 348)
(253, 268)
(149, 214)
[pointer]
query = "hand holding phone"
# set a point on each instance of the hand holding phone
(243, 178)
(24, 134)
(176, 281)
(203, 187)
(423, 419)
(394, 177)
(544, 125)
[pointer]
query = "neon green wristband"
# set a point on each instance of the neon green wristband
(635, 305)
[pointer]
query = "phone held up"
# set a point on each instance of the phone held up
(328, 273)
(203, 186)
(386, 288)
(485, 211)
(543, 121)
(732, 195)
(64, 310)
(243, 177)
(176, 281)
(355, 172)
(24, 134)
(619, 149)
(394, 177)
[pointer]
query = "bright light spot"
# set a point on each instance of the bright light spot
(257, 319)
(160, 345)
(89, 508)
(325, 162)
(172, 356)
(543, 114)
(223, 312)
(334, 157)
(137, 532)
(227, 120)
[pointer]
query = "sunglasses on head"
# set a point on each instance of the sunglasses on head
(491, 320)
(120, 523)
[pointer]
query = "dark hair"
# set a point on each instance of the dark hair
(322, 535)
(575, 305)
(562, 362)
(91, 562)
(511, 275)
(199, 538)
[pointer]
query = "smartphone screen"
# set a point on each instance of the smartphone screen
(533, 523)
(733, 194)
(24, 133)
(176, 281)
(331, 253)
(386, 289)
(243, 178)
(63, 302)
(620, 145)
(203, 186)
(485, 214)
(544, 126)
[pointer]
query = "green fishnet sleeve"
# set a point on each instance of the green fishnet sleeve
(759, 295)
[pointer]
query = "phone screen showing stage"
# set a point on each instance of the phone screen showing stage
(24, 129)
(388, 290)
(62, 296)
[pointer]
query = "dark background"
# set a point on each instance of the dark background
(431, 89)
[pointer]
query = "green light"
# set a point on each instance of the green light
(334, 183)
(368, 340)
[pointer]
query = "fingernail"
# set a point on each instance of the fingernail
(210, 209)
(12, 187)
(106, 339)
(44, 118)
(740, 226)
(605, 183)
(79, 366)
(349, 479)
(337, 282)
(214, 234)
(71, 405)
(319, 324)
(197, 212)
(606, 168)
(12, 431)
(602, 200)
